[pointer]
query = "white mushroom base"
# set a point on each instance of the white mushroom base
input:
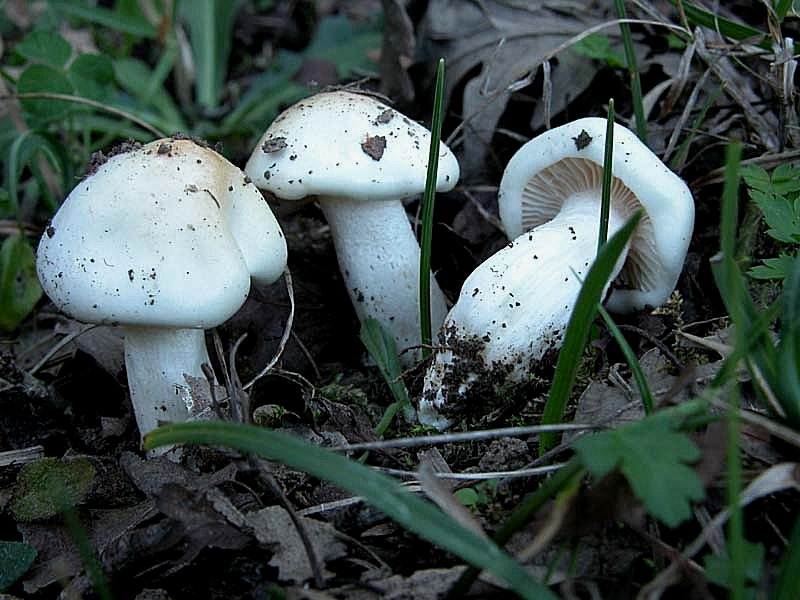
(513, 310)
(156, 359)
(379, 259)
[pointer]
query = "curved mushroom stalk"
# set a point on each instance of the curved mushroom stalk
(514, 309)
(156, 360)
(379, 259)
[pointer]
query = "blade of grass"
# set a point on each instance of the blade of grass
(737, 31)
(210, 24)
(84, 546)
(789, 345)
(608, 157)
(630, 358)
(383, 350)
(789, 577)
(522, 514)
(782, 8)
(114, 20)
(633, 70)
(382, 492)
(428, 199)
(583, 314)
(727, 272)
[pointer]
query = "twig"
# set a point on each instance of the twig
(287, 276)
(93, 103)
(263, 473)
(469, 436)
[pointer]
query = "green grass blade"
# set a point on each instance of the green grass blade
(608, 157)
(736, 541)
(578, 329)
(428, 200)
(383, 350)
(210, 24)
(522, 514)
(789, 346)
(382, 492)
(115, 20)
(633, 70)
(789, 577)
(737, 31)
(782, 8)
(630, 358)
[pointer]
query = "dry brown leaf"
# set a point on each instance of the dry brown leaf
(273, 527)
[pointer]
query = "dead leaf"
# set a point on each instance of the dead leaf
(273, 527)
(507, 42)
(151, 475)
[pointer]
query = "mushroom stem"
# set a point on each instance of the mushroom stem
(156, 359)
(379, 259)
(515, 307)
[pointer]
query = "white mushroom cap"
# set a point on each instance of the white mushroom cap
(569, 159)
(168, 234)
(346, 144)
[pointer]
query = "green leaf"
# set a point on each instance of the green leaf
(15, 560)
(92, 76)
(789, 576)
(718, 566)
(654, 459)
(580, 322)
(19, 286)
(346, 44)
(773, 268)
(267, 93)
(116, 20)
(22, 152)
(134, 76)
(38, 79)
(210, 24)
(382, 492)
(598, 47)
(737, 31)
(45, 47)
(44, 487)
(383, 350)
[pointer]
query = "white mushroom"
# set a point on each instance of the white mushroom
(162, 239)
(360, 158)
(514, 308)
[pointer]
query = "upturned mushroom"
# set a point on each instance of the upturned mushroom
(360, 158)
(162, 239)
(514, 308)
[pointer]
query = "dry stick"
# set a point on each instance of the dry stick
(722, 68)
(115, 111)
(478, 476)
(469, 436)
(684, 118)
(58, 346)
(287, 276)
(307, 354)
(261, 468)
(765, 160)
(656, 342)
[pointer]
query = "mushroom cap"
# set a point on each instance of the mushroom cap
(569, 159)
(168, 234)
(346, 144)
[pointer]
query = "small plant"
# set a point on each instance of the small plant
(777, 196)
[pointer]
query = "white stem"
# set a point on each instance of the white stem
(156, 359)
(515, 307)
(379, 259)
